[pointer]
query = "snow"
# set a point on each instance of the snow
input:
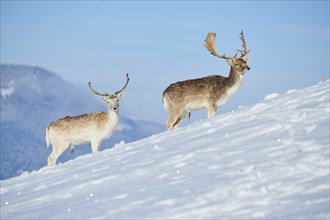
(123, 127)
(271, 96)
(266, 161)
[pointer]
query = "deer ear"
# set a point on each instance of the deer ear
(229, 62)
(104, 99)
(120, 95)
(247, 59)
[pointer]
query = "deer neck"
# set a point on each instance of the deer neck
(234, 78)
(233, 83)
(113, 115)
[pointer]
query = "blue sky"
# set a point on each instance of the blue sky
(159, 43)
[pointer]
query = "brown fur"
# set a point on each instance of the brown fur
(80, 120)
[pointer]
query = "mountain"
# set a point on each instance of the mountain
(31, 98)
(266, 161)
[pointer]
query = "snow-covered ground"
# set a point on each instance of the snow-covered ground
(268, 161)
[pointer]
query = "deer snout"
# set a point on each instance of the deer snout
(247, 67)
(115, 106)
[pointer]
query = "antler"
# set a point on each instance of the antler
(244, 51)
(127, 79)
(209, 44)
(100, 94)
(106, 94)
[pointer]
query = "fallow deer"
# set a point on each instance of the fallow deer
(181, 98)
(82, 129)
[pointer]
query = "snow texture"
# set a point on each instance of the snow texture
(267, 161)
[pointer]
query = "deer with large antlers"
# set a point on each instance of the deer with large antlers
(82, 129)
(181, 98)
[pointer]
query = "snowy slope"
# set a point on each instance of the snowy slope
(268, 161)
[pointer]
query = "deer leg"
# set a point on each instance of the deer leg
(169, 124)
(51, 158)
(72, 150)
(211, 110)
(174, 117)
(58, 149)
(180, 119)
(171, 120)
(95, 146)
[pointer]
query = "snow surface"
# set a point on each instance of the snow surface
(267, 161)
(271, 96)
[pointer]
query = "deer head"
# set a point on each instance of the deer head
(111, 99)
(239, 64)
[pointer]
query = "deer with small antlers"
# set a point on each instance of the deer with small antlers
(82, 129)
(181, 98)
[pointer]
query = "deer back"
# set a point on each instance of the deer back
(206, 89)
(74, 124)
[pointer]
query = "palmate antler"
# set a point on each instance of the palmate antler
(106, 94)
(244, 51)
(209, 44)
